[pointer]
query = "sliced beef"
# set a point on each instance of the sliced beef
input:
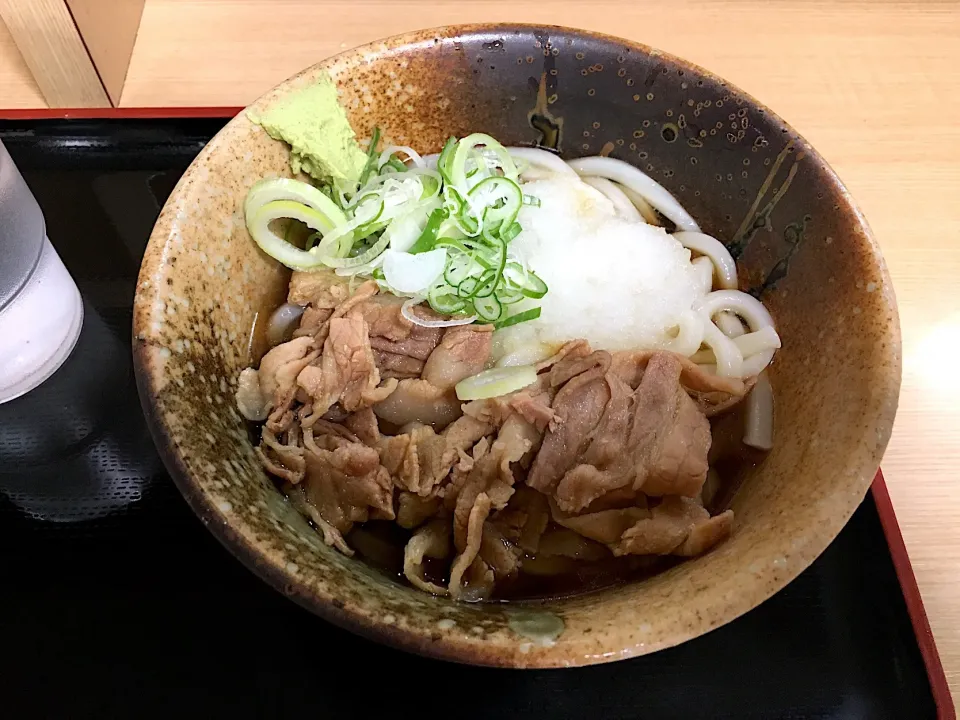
(470, 579)
(420, 459)
(677, 526)
(713, 394)
(345, 481)
(580, 404)
(346, 372)
(363, 424)
(418, 345)
(706, 534)
(500, 556)
(524, 519)
(283, 459)
(382, 315)
(401, 456)
(655, 440)
(313, 323)
(532, 404)
(413, 510)
(563, 542)
(277, 378)
(431, 540)
(402, 367)
(575, 364)
(492, 474)
(604, 526)
(331, 536)
(360, 296)
(321, 288)
(572, 349)
(605, 454)
(463, 352)
(420, 402)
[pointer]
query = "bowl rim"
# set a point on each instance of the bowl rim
(448, 647)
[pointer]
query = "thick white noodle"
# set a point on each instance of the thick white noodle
(645, 186)
(728, 356)
(756, 316)
(757, 342)
(541, 158)
(626, 209)
(739, 303)
(756, 348)
(704, 268)
(758, 432)
(689, 334)
(643, 207)
(729, 323)
(756, 364)
(713, 249)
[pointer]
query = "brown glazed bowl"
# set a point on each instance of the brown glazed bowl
(801, 243)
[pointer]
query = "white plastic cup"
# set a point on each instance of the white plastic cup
(41, 311)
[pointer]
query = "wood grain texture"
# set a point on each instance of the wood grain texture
(18, 89)
(875, 86)
(109, 30)
(48, 39)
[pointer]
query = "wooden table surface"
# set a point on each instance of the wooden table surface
(874, 86)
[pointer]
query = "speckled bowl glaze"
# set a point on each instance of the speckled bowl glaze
(801, 243)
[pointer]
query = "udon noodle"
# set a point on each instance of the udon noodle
(714, 321)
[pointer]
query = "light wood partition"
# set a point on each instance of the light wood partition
(77, 51)
(109, 30)
(51, 45)
(18, 89)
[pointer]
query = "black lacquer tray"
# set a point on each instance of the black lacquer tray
(117, 603)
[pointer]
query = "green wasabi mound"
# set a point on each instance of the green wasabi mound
(322, 143)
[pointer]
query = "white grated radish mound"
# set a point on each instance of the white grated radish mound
(616, 283)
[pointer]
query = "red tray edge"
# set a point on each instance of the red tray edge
(888, 519)
(911, 595)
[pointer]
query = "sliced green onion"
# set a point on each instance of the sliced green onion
(457, 169)
(372, 156)
(272, 189)
(276, 246)
(501, 198)
(444, 301)
(496, 382)
(511, 232)
(531, 201)
(488, 309)
(452, 244)
(375, 250)
(368, 227)
(531, 314)
(509, 296)
(428, 238)
(464, 212)
(535, 287)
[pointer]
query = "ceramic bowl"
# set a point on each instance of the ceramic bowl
(802, 247)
